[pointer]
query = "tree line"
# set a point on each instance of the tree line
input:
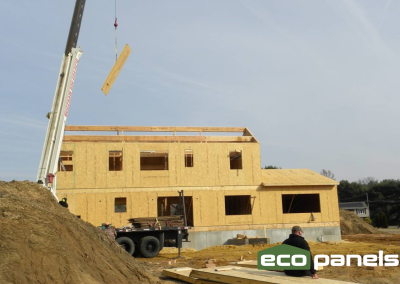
(383, 197)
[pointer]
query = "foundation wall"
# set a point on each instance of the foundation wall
(200, 240)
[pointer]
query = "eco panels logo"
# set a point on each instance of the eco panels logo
(284, 257)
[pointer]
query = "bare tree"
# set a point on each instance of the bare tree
(367, 181)
(327, 173)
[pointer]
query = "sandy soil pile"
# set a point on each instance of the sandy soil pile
(351, 224)
(42, 242)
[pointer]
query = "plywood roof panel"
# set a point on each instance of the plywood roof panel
(295, 177)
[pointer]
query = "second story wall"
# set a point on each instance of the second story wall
(96, 165)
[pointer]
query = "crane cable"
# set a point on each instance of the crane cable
(116, 25)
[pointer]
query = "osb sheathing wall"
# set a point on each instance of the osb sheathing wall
(211, 165)
(97, 206)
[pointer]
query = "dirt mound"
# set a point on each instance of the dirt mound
(42, 242)
(351, 224)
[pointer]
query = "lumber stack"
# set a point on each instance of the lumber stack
(162, 221)
(235, 274)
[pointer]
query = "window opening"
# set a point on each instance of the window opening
(188, 158)
(361, 211)
(235, 158)
(65, 163)
(301, 203)
(169, 206)
(153, 160)
(120, 204)
(238, 205)
(115, 161)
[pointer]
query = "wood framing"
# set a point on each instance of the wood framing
(155, 129)
(142, 169)
(116, 69)
(120, 138)
(121, 130)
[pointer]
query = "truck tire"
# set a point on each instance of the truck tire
(127, 244)
(149, 246)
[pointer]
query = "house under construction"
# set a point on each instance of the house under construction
(113, 173)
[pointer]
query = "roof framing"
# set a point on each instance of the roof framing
(246, 136)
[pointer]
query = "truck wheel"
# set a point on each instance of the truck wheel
(127, 244)
(149, 246)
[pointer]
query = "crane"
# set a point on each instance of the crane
(48, 167)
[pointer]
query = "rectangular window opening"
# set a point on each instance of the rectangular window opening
(120, 204)
(238, 205)
(66, 163)
(300, 203)
(170, 206)
(235, 158)
(361, 211)
(115, 161)
(188, 158)
(153, 160)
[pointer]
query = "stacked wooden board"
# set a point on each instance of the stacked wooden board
(163, 221)
(246, 263)
(242, 275)
(183, 274)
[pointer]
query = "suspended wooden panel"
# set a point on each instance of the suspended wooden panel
(116, 69)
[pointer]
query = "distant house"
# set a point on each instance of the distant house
(360, 208)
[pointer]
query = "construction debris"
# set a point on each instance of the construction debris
(244, 240)
(210, 263)
(164, 221)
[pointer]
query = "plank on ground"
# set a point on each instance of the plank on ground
(245, 263)
(253, 264)
(248, 264)
(183, 273)
(253, 276)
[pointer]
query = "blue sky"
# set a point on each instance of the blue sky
(316, 82)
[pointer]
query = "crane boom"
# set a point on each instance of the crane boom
(48, 167)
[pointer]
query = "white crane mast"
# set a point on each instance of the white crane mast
(48, 167)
